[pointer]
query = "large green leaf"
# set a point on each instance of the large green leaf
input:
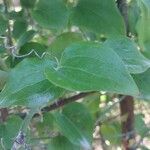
(90, 66)
(36, 95)
(62, 41)
(75, 123)
(99, 16)
(9, 130)
(27, 85)
(51, 14)
(127, 50)
(3, 24)
(143, 27)
(61, 143)
(143, 82)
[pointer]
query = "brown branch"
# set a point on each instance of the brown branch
(64, 101)
(60, 103)
(127, 108)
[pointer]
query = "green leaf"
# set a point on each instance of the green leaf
(27, 3)
(2, 49)
(90, 66)
(140, 126)
(99, 16)
(51, 14)
(111, 132)
(9, 130)
(76, 124)
(3, 25)
(92, 103)
(3, 78)
(34, 96)
(19, 27)
(61, 143)
(143, 27)
(62, 41)
(143, 82)
(46, 126)
(25, 37)
(27, 85)
(127, 50)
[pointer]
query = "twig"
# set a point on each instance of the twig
(100, 120)
(65, 101)
(103, 144)
(59, 103)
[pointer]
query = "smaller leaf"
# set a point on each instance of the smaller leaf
(140, 126)
(99, 16)
(2, 49)
(92, 103)
(62, 41)
(111, 132)
(76, 124)
(26, 37)
(3, 78)
(128, 51)
(7, 134)
(52, 14)
(143, 82)
(34, 96)
(28, 86)
(61, 143)
(3, 25)
(19, 27)
(45, 126)
(143, 27)
(28, 3)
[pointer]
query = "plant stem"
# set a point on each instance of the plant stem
(127, 104)
(65, 101)
(59, 103)
(127, 108)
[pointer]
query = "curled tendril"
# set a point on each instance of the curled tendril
(28, 54)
